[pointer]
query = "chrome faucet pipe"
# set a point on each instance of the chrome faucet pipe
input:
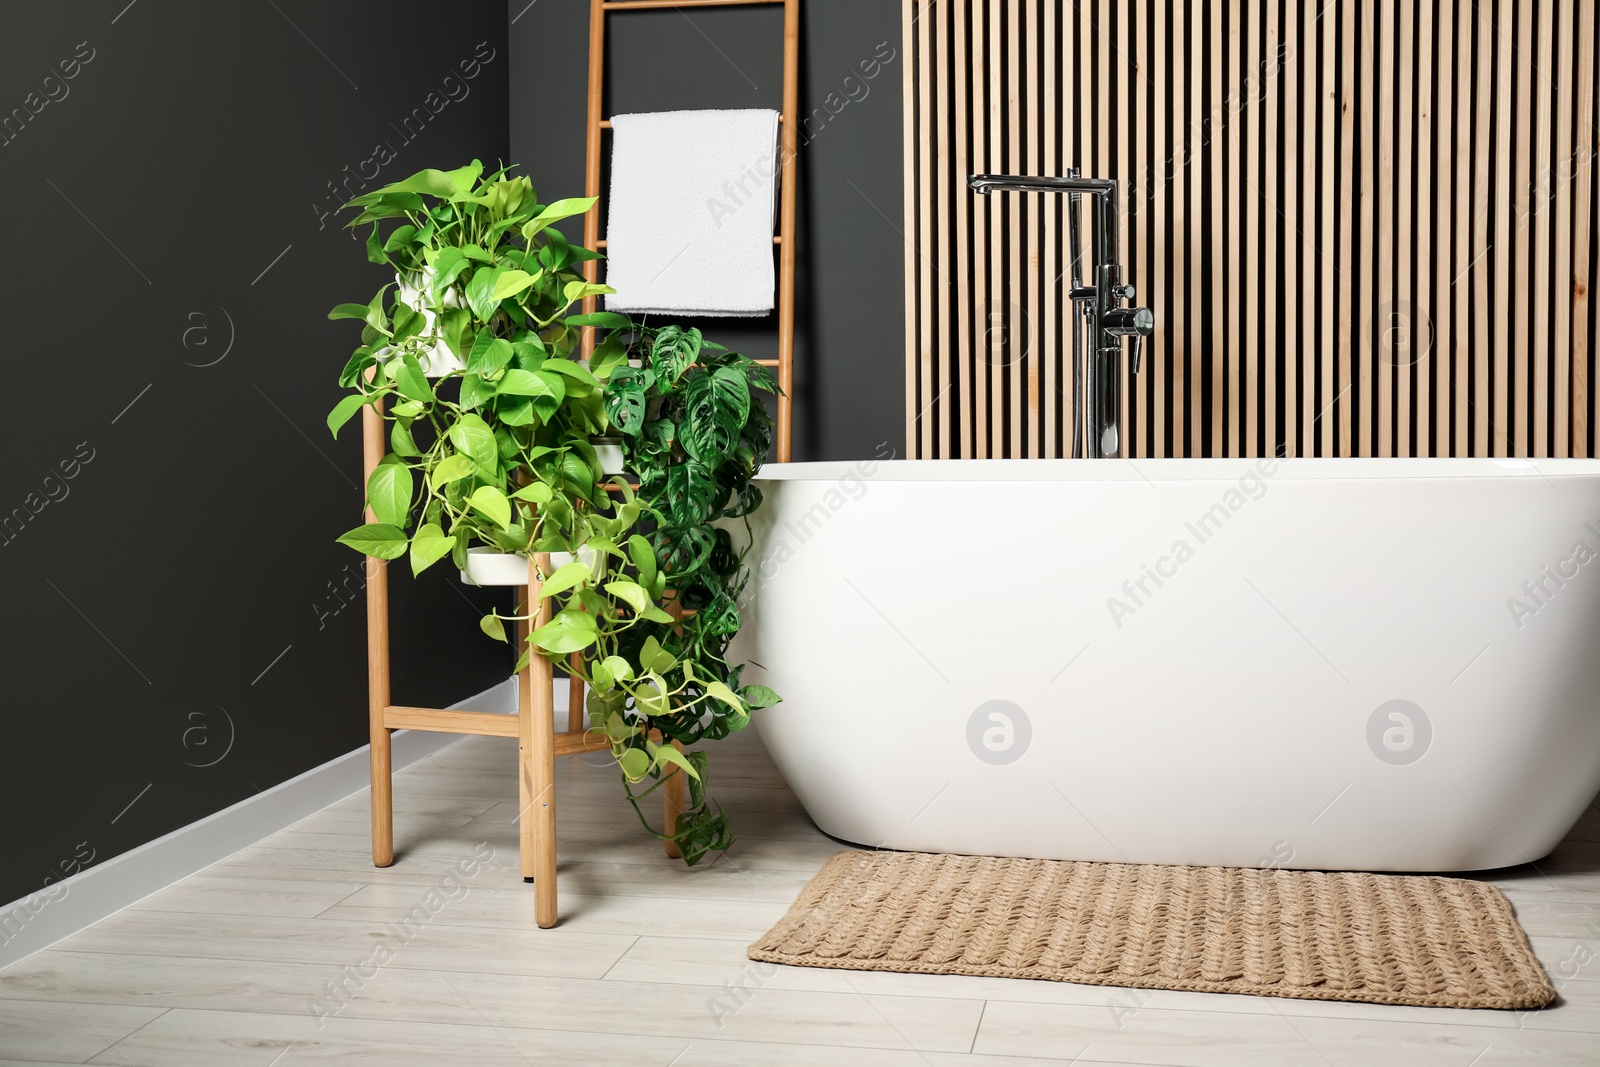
(1101, 299)
(1076, 310)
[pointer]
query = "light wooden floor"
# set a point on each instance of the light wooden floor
(647, 966)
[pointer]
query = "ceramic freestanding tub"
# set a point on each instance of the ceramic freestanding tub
(1388, 665)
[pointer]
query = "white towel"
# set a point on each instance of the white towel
(689, 226)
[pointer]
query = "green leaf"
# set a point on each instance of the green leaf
(389, 491)
(608, 320)
(635, 763)
(574, 573)
(669, 754)
(491, 625)
(530, 383)
(344, 410)
(651, 695)
(569, 369)
(717, 405)
(492, 503)
(480, 293)
(617, 730)
(727, 696)
(402, 236)
(561, 209)
(473, 438)
(407, 409)
(411, 381)
(377, 539)
(576, 291)
(450, 469)
(511, 283)
(401, 441)
(433, 182)
(570, 631)
(655, 614)
(644, 558)
(534, 493)
(652, 657)
(349, 311)
(429, 546)
(758, 696)
(635, 597)
(464, 178)
(489, 354)
(618, 667)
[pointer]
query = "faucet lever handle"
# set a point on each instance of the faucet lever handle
(1138, 350)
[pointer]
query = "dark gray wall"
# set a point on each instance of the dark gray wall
(850, 356)
(170, 604)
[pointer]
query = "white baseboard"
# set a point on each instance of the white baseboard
(40, 920)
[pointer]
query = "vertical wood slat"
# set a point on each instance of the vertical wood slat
(1051, 353)
(1423, 195)
(1561, 292)
(1453, 152)
(1328, 109)
(1215, 117)
(964, 206)
(1351, 188)
(1521, 204)
(1382, 322)
(1267, 199)
(941, 415)
(1393, 257)
(997, 214)
(1501, 250)
(1031, 353)
(1583, 219)
(1296, 311)
(1238, 277)
(1170, 167)
(980, 233)
(1485, 200)
(1152, 221)
(1251, 279)
(1538, 208)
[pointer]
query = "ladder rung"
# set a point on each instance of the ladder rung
(645, 5)
(605, 124)
(777, 239)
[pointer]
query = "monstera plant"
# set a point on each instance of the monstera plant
(474, 356)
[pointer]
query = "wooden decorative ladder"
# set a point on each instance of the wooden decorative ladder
(538, 743)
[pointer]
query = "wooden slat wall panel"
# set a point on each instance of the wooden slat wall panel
(1364, 228)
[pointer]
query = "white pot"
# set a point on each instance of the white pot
(440, 360)
(485, 566)
(610, 456)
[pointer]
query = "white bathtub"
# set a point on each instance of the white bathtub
(1334, 664)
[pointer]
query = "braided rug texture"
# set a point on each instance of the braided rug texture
(1313, 935)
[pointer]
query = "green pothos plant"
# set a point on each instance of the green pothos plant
(472, 353)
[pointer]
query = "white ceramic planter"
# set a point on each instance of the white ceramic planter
(485, 566)
(609, 453)
(440, 360)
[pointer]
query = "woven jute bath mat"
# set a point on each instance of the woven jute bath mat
(1378, 938)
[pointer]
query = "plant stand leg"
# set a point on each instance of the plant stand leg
(575, 713)
(672, 790)
(378, 734)
(537, 766)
